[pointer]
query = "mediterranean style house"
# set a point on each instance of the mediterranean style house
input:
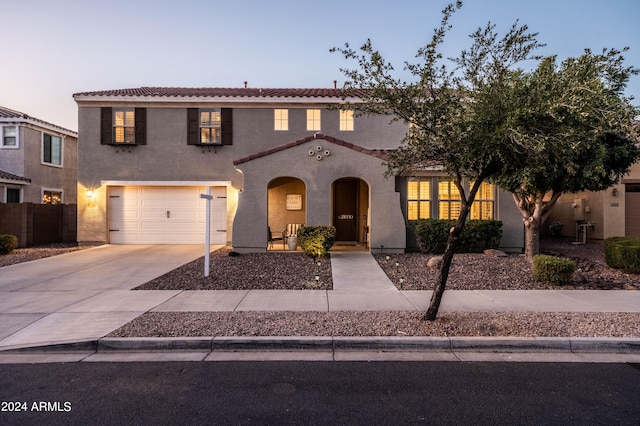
(38, 160)
(269, 157)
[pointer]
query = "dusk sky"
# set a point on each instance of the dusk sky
(53, 49)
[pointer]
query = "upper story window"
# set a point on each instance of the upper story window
(346, 120)
(419, 199)
(483, 205)
(209, 126)
(9, 137)
(51, 149)
(313, 119)
(280, 119)
(123, 126)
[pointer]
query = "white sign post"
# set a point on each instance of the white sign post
(207, 237)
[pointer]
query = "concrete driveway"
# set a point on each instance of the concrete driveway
(83, 295)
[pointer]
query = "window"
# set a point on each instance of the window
(448, 200)
(51, 149)
(9, 137)
(418, 199)
(346, 120)
(13, 195)
(281, 119)
(313, 119)
(482, 207)
(209, 126)
(51, 197)
(123, 126)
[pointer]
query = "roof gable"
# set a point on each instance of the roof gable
(378, 153)
(10, 115)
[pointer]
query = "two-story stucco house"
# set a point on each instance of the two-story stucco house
(38, 160)
(270, 156)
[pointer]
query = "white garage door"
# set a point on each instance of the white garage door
(165, 215)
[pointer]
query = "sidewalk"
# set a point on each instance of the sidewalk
(80, 297)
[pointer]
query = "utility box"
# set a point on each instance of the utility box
(578, 209)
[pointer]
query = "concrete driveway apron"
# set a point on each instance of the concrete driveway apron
(83, 295)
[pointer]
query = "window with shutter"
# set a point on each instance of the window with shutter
(209, 126)
(123, 126)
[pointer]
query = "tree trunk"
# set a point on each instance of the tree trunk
(531, 239)
(453, 245)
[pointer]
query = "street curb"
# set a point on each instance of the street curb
(340, 343)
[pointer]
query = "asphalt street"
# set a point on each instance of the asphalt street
(354, 393)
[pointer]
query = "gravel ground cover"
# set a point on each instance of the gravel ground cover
(34, 253)
(251, 271)
(473, 271)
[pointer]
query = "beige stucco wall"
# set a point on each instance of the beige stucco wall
(386, 220)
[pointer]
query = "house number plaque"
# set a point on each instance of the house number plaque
(294, 201)
(345, 216)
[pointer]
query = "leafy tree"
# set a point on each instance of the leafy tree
(458, 115)
(577, 129)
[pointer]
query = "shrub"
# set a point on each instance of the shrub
(623, 253)
(553, 270)
(8, 243)
(478, 235)
(316, 240)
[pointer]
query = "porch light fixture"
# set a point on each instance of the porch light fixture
(91, 194)
(615, 192)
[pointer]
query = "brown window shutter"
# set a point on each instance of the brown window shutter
(106, 126)
(141, 126)
(226, 115)
(193, 126)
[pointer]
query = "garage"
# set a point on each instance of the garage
(165, 215)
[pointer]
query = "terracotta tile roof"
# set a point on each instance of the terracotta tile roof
(205, 92)
(379, 153)
(10, 176)
(7, 114)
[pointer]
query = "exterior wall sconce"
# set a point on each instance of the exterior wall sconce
(615, 192)
(91, 197)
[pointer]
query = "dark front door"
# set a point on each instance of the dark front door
(345, 213)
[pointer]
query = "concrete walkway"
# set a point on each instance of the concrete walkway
(84, 295)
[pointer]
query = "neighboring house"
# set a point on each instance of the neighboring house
(38, 160)
(270, 156)
(614, 212)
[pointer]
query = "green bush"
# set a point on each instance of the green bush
(8, 243)
(316, 240)
(553, 270)
(623, 253)
(478, 235)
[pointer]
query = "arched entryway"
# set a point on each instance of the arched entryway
(351, 211)
(286, 202)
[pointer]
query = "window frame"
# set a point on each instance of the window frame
(6, 194)
(314, 119)
(347, 121)
(2, 137)
(423, 201)
(131, 127)
(194, 132)
(281, 119)
(43, 155)
(52, 191)
(481, 201)
(210, 127)
(449, 201)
